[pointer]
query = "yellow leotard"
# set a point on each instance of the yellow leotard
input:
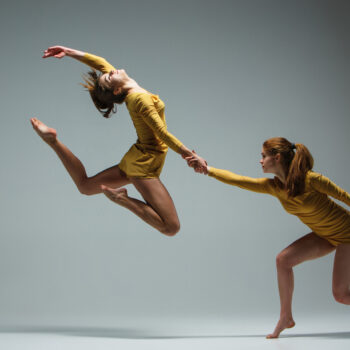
(145, 159)
(314, 208)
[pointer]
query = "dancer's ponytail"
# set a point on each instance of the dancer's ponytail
(301, 163)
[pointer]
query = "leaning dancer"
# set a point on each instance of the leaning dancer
(303, 193)
(142, 164)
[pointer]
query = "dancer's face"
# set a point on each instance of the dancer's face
(269, 163)
(114, 80)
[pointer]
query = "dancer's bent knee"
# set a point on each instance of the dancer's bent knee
(87, 188)
(283, 260)
(171, 229)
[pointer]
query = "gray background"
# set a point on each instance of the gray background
(231, 73)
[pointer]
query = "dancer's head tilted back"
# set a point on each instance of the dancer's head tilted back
(295, 160)
(104, 94)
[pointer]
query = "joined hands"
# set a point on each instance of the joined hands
(198, 163)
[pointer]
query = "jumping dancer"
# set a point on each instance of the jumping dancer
(142, 164)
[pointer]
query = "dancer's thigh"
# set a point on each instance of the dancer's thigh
(156, 195)
(308, 247)
(111, 177)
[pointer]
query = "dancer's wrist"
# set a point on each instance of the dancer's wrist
(74, 53)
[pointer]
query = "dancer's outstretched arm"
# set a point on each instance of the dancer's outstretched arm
(93, 61)
(61, 51)
(261, 185)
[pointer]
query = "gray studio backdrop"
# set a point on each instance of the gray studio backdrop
(231, 73)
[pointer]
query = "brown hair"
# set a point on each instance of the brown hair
(295, 164)
(103, 99)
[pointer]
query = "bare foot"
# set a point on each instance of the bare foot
(47, 134)
(115, 195)
(282, 324)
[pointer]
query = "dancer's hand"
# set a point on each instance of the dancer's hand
(198, 163)
(61, 51)
(55, 51)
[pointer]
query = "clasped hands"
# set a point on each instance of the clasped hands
(196, 162)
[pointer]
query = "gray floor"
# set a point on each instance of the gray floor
(318, 333)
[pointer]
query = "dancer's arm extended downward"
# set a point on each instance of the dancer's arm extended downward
(146, 108)
(93, 61)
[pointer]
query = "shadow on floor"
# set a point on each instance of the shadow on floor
(125, 333)
(334, 335)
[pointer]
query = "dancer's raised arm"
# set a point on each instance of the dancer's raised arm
(61, 51)
(96, 62)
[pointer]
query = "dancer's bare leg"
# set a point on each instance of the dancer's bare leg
(341, 274)
(158, 210)
(87, 185)
(306, 248)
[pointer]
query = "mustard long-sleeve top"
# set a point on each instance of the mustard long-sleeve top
(314, 208)
(146, 111)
